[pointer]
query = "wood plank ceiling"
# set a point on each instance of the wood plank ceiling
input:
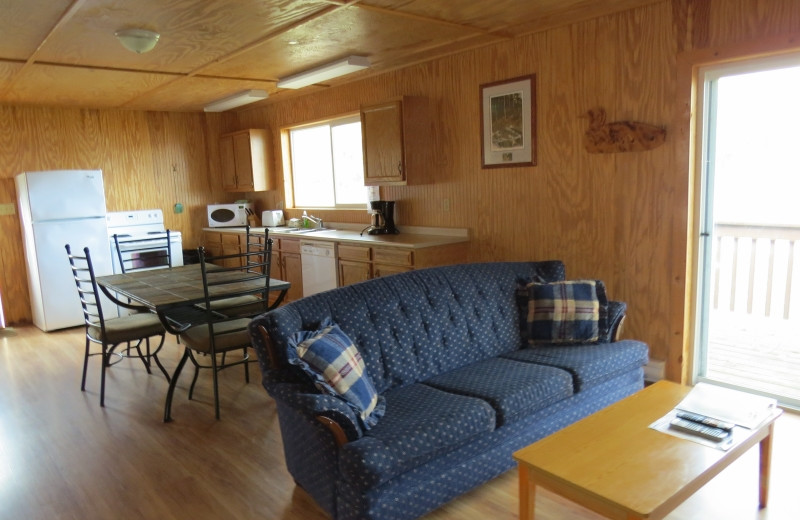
(64, 52)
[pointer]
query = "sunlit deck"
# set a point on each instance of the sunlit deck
(759, 353)
(753, 338)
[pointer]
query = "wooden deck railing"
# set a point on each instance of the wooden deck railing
(759, 260)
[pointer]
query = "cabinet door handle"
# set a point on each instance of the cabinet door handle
(400, 168)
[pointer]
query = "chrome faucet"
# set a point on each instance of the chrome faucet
(311, 218)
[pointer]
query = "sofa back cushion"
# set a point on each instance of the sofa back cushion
(411, 326)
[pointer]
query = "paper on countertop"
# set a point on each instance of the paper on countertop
(725, 404)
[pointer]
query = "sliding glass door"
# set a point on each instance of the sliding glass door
(749, 287)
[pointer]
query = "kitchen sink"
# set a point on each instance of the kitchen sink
(304, 230)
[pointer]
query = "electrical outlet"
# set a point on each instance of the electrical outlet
(445, 205)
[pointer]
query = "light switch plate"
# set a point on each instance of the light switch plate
(8, 208)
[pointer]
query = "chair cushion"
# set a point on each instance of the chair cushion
(512, 388)
(333, 362)
(564, 312)
(239, 306)
(228, 335)
(590, 365)
(128, 328)
(421, 423)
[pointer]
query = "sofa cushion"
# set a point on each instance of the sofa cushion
(514, 389)
(521, 295)
(589, 365)
(564, 312)
(420, 424)
(333, 362)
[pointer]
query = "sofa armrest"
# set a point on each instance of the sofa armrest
(334, 413)
(614, 318)
(283, 383)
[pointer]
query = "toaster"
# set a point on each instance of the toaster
(272, 218)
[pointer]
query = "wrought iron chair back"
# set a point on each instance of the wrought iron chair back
(144, 253)
(241, 281)
(110, 333)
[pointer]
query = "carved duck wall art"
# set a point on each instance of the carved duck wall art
(620, 136)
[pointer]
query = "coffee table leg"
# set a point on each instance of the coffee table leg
(527, 494)
(765, 459)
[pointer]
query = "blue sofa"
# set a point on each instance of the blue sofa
(446, 350)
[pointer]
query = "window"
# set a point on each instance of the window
(327, 164)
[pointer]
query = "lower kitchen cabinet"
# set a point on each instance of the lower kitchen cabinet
(231, 246)
(352, 272)
(217, 243)
(212, 243)
(291, 269)
(356, 263)
(379, 270)
(359, 263)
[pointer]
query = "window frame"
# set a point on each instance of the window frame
(288, 171)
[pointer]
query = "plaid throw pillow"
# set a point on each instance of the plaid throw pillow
(563, 312)
(331, 359)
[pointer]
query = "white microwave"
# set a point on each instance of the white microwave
(227, 215)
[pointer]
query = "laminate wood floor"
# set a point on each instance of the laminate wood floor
(62, 456)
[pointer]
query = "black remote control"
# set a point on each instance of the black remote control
(713, 434)
(704, 419)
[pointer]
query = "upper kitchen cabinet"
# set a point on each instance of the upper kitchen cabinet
(244, 158)
(394, 137)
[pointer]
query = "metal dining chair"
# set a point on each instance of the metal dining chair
(112, 332)
(254, 242)
(245, 288)
(143, 253)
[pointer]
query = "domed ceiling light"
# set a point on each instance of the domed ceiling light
(138, 40)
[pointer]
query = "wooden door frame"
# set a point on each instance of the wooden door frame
(689, 124)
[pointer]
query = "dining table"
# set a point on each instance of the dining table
(174, 294)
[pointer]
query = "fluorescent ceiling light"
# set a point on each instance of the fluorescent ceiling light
(236, 100)
(325, 72)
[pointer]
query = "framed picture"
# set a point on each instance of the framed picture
(508, 115)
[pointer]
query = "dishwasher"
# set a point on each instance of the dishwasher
(318, 261)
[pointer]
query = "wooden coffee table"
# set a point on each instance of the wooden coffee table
(614, 464)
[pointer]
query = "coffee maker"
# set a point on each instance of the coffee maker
(382, 218)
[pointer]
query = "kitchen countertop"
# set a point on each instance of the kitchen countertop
(409, 237)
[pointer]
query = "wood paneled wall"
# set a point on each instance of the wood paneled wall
(620, 217)
(148, 159)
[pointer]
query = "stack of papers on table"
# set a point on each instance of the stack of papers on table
(740, 408)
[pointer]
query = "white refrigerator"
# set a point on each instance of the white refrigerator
(58, 208)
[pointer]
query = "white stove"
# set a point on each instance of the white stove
(132, 226)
